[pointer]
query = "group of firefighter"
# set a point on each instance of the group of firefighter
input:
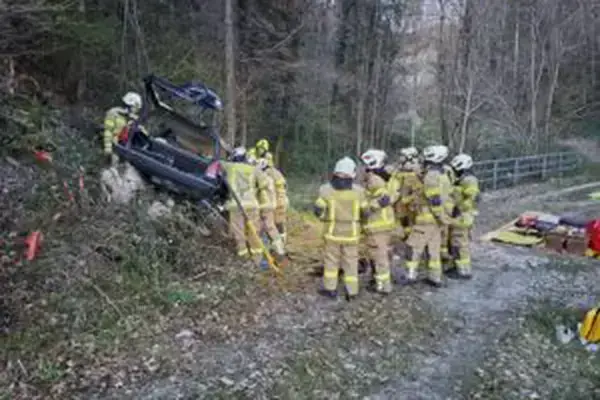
(425, 200)
(257, 203)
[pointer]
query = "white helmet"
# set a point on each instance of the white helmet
(238, 154)
(462, 162)
(133, 100)
(409, 153)
(435, 154)
(345, 166)
(263, 163)
(374, 159)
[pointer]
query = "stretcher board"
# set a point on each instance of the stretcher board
(511, 234)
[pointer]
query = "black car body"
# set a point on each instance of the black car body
(180, 152)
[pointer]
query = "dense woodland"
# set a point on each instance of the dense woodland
(324, 77)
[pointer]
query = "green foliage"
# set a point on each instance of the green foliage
(48, 371)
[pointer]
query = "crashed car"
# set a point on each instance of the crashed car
(179, 150)
(177, 153)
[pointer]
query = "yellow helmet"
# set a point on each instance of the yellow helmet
(262, 145)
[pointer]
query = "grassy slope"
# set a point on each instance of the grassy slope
(107, 279)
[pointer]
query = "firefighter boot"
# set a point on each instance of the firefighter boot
(411, 272)
(434, 275)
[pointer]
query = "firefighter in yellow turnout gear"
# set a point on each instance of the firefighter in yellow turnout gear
(340, 205)
(261, 151)
(380, 223)
(268, 203)
(407, 185)
(431, 218)
(249, 185)
(466, 196)
(449, 179)
(118, 118)
(281, 197)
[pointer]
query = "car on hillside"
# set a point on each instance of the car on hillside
(180, 151)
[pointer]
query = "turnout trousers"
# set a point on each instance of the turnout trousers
(344, 256)
(281, 222)
(425, 237)
(247, 243)
(378, 247)
(270, 228)
(460, 251)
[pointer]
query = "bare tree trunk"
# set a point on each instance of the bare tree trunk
(554, 61)
(550, 101)
(329, 135)
(442, 75)
(230, 72)
(360, 108)
(413, 108)
(466, 112)
(244, 116)
(81, 83)
(533, 82)
(516, 50)
(375, 91)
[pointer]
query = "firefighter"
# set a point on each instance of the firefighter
(118, 118)
(248, 185)
(268, 202)
(430, 219)
(282, 201)
(340, 205)
(466, 197)
(449, 179)
(409, 184)
(380, 223)
(261, 150)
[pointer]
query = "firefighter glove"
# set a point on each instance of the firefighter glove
(384, 201)
(318, 211)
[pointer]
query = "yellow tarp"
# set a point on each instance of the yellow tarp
(510, 234)
(516, 238)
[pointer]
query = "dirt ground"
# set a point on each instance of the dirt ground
(478, 339)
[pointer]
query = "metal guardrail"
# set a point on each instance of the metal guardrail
(498, 174)
(507, 172)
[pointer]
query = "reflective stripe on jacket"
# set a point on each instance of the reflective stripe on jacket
(448, 180)
(268, 199)
(280, 187)
(432, 197)
(341, 212)
(411, 186)
(466, 193)
(115, 120)
(247, 184)
(380, 219)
